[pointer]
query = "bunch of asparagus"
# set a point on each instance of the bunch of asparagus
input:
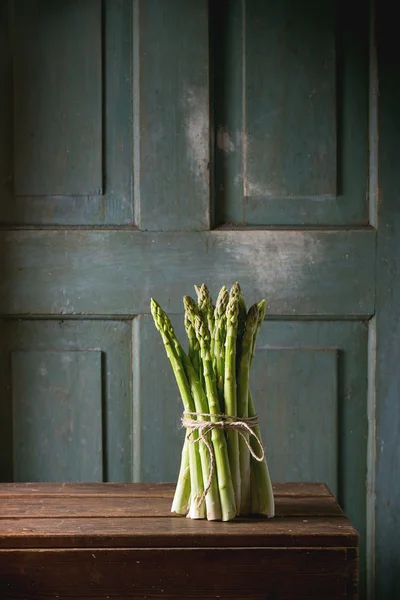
(223, 470)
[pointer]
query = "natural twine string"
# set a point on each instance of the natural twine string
(242, 425)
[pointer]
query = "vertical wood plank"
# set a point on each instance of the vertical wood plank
(57, 416)
(387, 505)
(290, 96)
(172, 115)
(117, 111)
(298, 398)
(227, 44)
(57, 98)
(289, 111)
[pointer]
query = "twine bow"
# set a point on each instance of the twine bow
(241, 424)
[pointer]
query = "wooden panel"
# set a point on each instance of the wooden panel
(290, 88)
(385, 481)
(291, 112)
(100, 490)
(172, 115)
(300, 413)
(57, 98)
(118, 532)
(296, 490)
(286, 574)
(57, 420)
(293, 363)
(110, 272)
(146, 521)
(175, 532)
(72, 143)
(141, 507)
(38, 408)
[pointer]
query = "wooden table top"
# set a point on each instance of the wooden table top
(137, 515)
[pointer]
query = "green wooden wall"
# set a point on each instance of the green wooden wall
(149, 145)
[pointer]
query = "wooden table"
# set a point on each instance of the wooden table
(102, 541)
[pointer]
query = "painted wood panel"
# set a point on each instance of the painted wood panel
(57, 416)
(66, 151)
(385, 449)
(172, 115)
(299, 393)
(300, 100)
(65, 374)
(291, 112)
(57, 98)
(116, 272)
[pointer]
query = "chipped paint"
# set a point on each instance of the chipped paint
(224, 141)
(295, 262)
(195, 110)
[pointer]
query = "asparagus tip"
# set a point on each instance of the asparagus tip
(252, 316)
(262, 308)
(190, 307)
(222, 302)
(232, 309)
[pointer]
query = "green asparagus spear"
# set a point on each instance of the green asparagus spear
(225, 485)
(213, 505)
(191, 310)
(219, 342)
(230, 392)
(194, 348)
(262, 494)
(243, 406)
(206, 310)
(237, 292)
(196, 476)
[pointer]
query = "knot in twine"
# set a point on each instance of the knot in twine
(242, 425)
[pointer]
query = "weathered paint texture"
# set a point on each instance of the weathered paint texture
(127, 131)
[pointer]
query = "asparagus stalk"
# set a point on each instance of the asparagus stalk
(255, 496)
(232, 311)
(196, 477)
(181, 501)
(226, 490)
(262, 493)
(219, 342)
(192, 310)
(237, 292)
(243, 406)
(213, 505)
(194, 348)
